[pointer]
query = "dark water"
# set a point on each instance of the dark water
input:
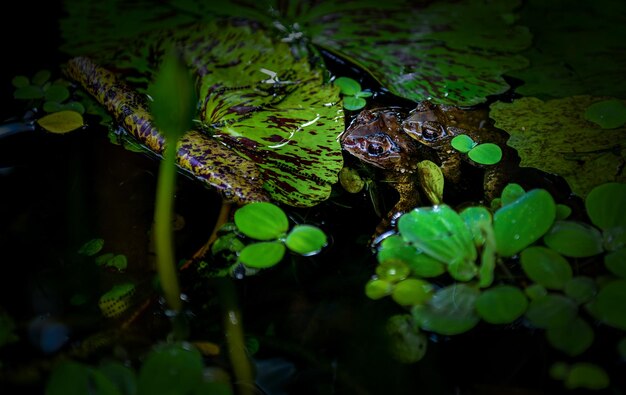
(59, 191)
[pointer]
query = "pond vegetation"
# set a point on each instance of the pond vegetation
(182, 218)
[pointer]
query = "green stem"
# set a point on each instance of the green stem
(164, 245)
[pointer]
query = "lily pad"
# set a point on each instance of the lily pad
(546, 267)
(553, 136)
(452, 52)
(609, 114)
(524, 221)
(450, 311)
(257, 101)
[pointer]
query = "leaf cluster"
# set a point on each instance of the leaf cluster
(352, 94)
(511, 261)
(260, 236)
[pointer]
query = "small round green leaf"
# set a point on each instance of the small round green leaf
(574, 239)
(522, 222)
(588, 376)
(351, 180)
(306, 240)
(412, 291)
(439, 232)
(92, 247)
(407, 343)
(563, 211)
(551, 310)
(263, 254)
(605, 205)
(353, 103)
(462, 143)
(28, 92)
(478, 219)
(377, 289)
(581, 289)
(572, 338)
(347, 85)
(616, 262)
(421, 265)
(20, 81)
(41, 77)
(173, 368)
(535, 291)
(511, 193)
(486, 154)
(61, 122)
(57, 93)
(609, 114)
(610, 304)
(261, 221)
(450, 311)
(393, 270)
(546, 267)
(502, 304)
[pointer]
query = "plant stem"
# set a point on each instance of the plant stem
(164, 245)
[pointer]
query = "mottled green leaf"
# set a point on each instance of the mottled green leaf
(553, 136)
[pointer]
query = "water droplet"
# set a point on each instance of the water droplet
(516, 237)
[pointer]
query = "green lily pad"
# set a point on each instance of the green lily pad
(609, 114)
(406, 342)
(616, 262)
(610, 304)
(450, 311)
(439, 232)
(551, 310)
(587, 375)
(605, 205)
(408, 57)
(263, 254)
(377, 288)
(394, 249)
(553, 136)
(462, 143)
(546, 267)
(580, 52)
(412, 291)
(501, 304)
(174, 368)
(573, 338)
(306, 240)
(485, 154)
(261, 221)
(259, 105)
(574, 239)
(348, 86)
(524, 221)
(581, 289)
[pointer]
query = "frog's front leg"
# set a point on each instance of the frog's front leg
(409, 197)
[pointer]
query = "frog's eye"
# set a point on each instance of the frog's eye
(375, 149)
(432, 131)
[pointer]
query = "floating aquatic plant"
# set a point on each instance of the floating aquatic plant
(479, 247)
(484, 154)
(352, 95)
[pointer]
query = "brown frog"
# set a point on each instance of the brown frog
(395, 140)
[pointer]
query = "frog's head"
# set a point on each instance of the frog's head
(376, 137)
(429, 125)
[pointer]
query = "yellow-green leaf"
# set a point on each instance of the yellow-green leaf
(61, 122)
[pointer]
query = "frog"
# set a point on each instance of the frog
(395, 140)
